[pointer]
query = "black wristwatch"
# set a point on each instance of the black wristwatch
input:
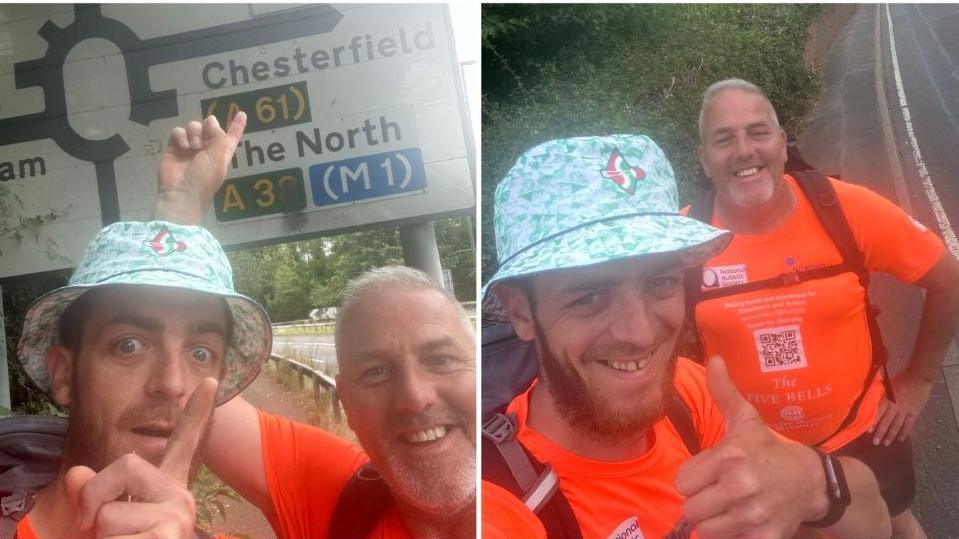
(837, 491)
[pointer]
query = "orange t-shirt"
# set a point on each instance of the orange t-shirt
(623, 500)
(306, 469)
(25, 530)
(801, 353)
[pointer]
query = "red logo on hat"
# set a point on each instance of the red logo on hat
(622, 173)
(164, 243)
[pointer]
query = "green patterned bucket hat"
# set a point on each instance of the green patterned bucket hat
(587, 200)
(155, 254)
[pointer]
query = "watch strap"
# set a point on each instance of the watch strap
(837, 491)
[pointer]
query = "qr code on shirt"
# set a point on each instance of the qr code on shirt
(780, 348)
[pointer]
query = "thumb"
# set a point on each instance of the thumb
(735, 409)
(73, 483)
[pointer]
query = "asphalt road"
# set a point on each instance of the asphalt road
(864, 130)
(319, 348)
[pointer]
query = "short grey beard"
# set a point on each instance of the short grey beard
(447, 492)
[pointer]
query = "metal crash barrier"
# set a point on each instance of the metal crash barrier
(324, 385)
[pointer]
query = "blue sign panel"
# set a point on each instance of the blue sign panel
(368, 177)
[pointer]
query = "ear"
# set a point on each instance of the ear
(517, 306)
(783, 146)
(346, 398)
(60, 370)
(702, 160)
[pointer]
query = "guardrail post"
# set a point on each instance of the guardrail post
(335, 404)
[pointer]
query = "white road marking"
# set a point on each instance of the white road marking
(898, 178)
(947, 232)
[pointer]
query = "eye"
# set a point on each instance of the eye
(665, 285)
(129, 345)
(440, 361)
(202, 354)
(585, 300)
(374, 375)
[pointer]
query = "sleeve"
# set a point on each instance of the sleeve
(306, 469)
(690, 383)
(891, 240)
(505, 517)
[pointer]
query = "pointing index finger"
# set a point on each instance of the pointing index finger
(186, 435)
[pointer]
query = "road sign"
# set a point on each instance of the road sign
(356, 118)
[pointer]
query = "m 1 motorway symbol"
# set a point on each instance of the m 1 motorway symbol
(370, 176)
(139, 56)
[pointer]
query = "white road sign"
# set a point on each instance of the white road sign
(356, 118)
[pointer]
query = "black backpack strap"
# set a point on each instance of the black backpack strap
(508, 464)
(679, 415)
(361, 505)
(702, 211)
(818, 189)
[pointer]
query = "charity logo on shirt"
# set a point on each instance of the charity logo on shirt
(629, 529)
(792, 413)
(720, 276)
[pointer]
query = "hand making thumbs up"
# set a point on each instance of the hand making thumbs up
(753, 483)
(133, 498)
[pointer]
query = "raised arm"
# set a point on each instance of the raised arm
(193, 167)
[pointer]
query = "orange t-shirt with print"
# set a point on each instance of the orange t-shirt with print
(624, 500)
(306, 469)
(25, 530)
(801, 353)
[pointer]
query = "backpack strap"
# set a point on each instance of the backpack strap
(362, 503)
(819, 190)
(507, 463)
(679, 415)
(702, 211)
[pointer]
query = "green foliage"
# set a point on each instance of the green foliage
(209, 492)
(293, 278)
(17, 297)
(572, 70)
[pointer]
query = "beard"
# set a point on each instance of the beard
(90, 442)
(588, 410)
(753, 197)
(444, 485)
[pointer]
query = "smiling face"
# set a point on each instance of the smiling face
(141, 353)
(742, 149)
(408, 385)
(606, 337)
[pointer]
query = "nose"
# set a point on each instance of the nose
(634, 322)
(415, 392)
(744, 148)
(168, 376)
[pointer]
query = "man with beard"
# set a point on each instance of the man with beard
(592, 250)
(148, 319)
(406, 354)
(807, 359)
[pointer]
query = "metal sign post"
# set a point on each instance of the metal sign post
(4, 371)
(420, 251)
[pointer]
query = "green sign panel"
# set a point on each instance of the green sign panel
(267, 108)
(280, 191)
